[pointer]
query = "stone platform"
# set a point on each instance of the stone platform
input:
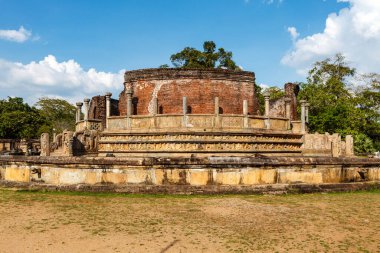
(192, 174)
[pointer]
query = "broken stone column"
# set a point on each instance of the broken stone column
(245, 113)
(266, 98)
(129, 102)
(45, 144)
(184, 105)
(287, 110)
(86, 107)
(108, 106)
(155, 106)
(79, 111)
(349, 145)
(216, 106)
(217, 122)
(307, 112)
(303, 116)
(184, 110)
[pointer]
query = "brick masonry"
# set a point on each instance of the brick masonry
(97, 108)
(199, 86)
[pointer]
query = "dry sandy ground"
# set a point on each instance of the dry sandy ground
(62, 222)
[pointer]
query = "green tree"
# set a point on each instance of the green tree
(275, 92)
(59, 113)
(368, 97)
(210, 58)
(335, 107)
(19, 120)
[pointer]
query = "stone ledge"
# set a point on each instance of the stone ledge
(238, 162)
(186, 189)
(180, 73)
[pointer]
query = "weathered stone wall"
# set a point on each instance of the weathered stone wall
(327, 145)
(277, 107)
(212, 171)
(199, 86)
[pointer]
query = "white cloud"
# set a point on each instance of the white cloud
(354, 32)
(264, 86)
(272, 1)
(20, 35)
(293, 33)
(51, 78)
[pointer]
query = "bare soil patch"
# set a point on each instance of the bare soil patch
(66, 222)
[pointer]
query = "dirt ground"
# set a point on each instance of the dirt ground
(67, 222)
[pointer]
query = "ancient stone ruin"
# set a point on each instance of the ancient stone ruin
(193, 131)
(182, 112)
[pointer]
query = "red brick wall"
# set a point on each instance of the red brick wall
(97, 108)
(199, 86)
(291, 91)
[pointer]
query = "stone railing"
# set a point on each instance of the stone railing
(92, 124)
(197, 121)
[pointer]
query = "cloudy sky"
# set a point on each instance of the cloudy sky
(80, 48)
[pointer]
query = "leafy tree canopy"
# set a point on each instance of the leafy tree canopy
(60, 113)
(335, 106)
(19, 120)
(210, 57)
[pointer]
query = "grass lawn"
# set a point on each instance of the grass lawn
(80, 222)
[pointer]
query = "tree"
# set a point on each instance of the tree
(210, 58)
(19, 120)
(275, 92)
(368, 97)
(58, 112)
(335, 106)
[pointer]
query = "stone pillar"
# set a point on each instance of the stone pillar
(129, 102)
(108, 106)
(184, 110)
(86, 108)
(307, 112)
(71, 147)
(349, 145)
(79, 111)
(216, 106)
(184, 105)
(335, 148)
(303, 116)
(217, 122)
(266, 98)
(287, 110)
(245, 107)
(54, 135)
(155, 106)
(245, 113)
(45, 144)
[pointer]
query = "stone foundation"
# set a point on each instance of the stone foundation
(182, 174)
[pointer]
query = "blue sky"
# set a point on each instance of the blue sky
(68, 48)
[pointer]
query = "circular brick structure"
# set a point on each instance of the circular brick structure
(199, 86)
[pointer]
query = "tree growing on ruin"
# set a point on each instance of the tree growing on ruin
(209, 58)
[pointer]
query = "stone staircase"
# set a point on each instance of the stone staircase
(200, 143)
